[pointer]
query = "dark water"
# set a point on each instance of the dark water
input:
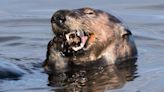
(25, 31)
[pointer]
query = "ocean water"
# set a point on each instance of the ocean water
(25, 31)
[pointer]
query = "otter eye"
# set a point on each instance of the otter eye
(89, 12)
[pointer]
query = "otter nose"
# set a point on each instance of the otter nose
(60, 17)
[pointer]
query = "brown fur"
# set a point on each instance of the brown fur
(112, 42)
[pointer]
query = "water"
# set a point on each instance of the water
(25, 31)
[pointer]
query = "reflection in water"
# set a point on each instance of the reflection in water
(94, 77)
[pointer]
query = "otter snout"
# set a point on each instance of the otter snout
(59, 17)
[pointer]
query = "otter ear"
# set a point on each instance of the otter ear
(125, 32)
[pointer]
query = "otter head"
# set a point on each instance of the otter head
(84, 27)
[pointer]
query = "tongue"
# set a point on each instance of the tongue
(83, 41)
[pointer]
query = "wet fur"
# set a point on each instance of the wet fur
(113, 42)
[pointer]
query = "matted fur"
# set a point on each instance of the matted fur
(112, 42)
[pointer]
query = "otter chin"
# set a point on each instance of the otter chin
(86, 35)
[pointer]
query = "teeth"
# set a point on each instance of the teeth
(80, 33)
(67, 37)
(77, 33)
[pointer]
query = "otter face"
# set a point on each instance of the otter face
(83, 27)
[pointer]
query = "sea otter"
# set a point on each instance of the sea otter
(84, 36)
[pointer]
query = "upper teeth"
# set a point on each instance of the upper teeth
(80, 33)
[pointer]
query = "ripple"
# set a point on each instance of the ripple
(24, 22)
(9, 70)
(143, 38)
(14, 44)
(9, 38)
(151, 7)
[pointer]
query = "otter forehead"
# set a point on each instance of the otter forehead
(76, 13)
(82, 13)
(81, 18)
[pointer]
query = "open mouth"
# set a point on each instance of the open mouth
(77, 39)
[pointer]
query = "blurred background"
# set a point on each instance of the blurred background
(25, 31)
